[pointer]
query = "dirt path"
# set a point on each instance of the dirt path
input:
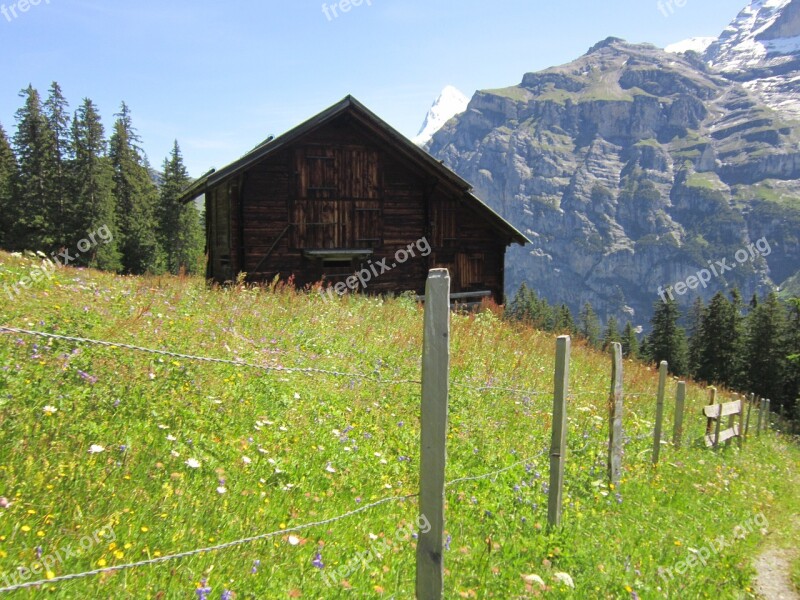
(772, 578)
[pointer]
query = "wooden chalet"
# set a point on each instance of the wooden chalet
(344, 192)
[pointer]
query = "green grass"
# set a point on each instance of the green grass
(319, 446)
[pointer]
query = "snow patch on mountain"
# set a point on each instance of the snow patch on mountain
(756, 35)
(695, 44)
(451, 102)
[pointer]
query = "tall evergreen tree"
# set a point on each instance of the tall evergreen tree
(721, 349)
(56, 111)
(590, 325)
(564, 322)
(611, 333)
(630, 343)
(696, 314)
(791, 379)
(667, 340)
(765, 348)
(92, 176)
(36, 212)
(181, 235)
(136, 196)
(8, 177)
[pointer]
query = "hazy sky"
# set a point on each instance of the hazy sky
(221, 76)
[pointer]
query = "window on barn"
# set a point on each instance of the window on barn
(338, 198)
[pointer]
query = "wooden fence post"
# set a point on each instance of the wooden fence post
(680, 401)
(760, 416)
(435, 389)
(662, 388)
(767, 414)
(615, 402)
(558, 446)
(750, 403)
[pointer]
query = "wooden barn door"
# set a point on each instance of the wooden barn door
(337, 201)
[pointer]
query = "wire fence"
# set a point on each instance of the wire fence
(373, 378)
(273, 369)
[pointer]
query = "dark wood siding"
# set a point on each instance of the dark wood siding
(340, 189)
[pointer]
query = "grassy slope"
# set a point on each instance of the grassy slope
(292, 427)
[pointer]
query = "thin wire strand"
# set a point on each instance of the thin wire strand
(224, 361)
(216, 548)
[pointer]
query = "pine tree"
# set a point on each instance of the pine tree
(630, 343)
(721, 349)
(56, 111)
(181, 235)
(696, 314)
(136, 199)
(92, 176)
(8, 177)
(36, 212)
(791, 378)
(564, 322)
(590, 325)
(611, 334)
(765, 348)
(667, 340)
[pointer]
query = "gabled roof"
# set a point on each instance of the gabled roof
(400, 143)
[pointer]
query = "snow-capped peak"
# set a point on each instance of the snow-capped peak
(451, 102)
(695, 44)
(764, 29)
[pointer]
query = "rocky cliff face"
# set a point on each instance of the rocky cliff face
(631, 169)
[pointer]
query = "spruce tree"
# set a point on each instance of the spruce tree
(611, 333)
(136, 199)
(35, 214)
(564, 322)
(721, 349)
(765, 348)
(8, 177)
(630, 343)
(93, 202)
(590, 325)
(696, 313)
(56, 111)
(791, 378)
(667, 340)
(181, 235)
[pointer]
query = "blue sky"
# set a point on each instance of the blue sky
(221, 76)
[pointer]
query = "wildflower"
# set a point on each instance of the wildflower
(171, 438)
(256, 564)
(329, 468)
(4, 503)
(447, 542)
(49, 410)
(86, 377)
(317, 562)
(564, 578)
(193, 463)
(294, 540)
(246, 460)
(221, 489)
(226, 595)
(203, 590)
(96, 449)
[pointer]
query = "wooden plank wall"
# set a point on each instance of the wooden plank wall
(369, 197)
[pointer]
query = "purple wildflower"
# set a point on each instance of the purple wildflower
(38, 552)
(447, 542)
(256, 564)
(226, 595)
(317, 562)
(203, 591)
(86, 377)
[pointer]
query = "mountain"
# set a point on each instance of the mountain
(632, 170)
(450, 103)
(759, 49)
